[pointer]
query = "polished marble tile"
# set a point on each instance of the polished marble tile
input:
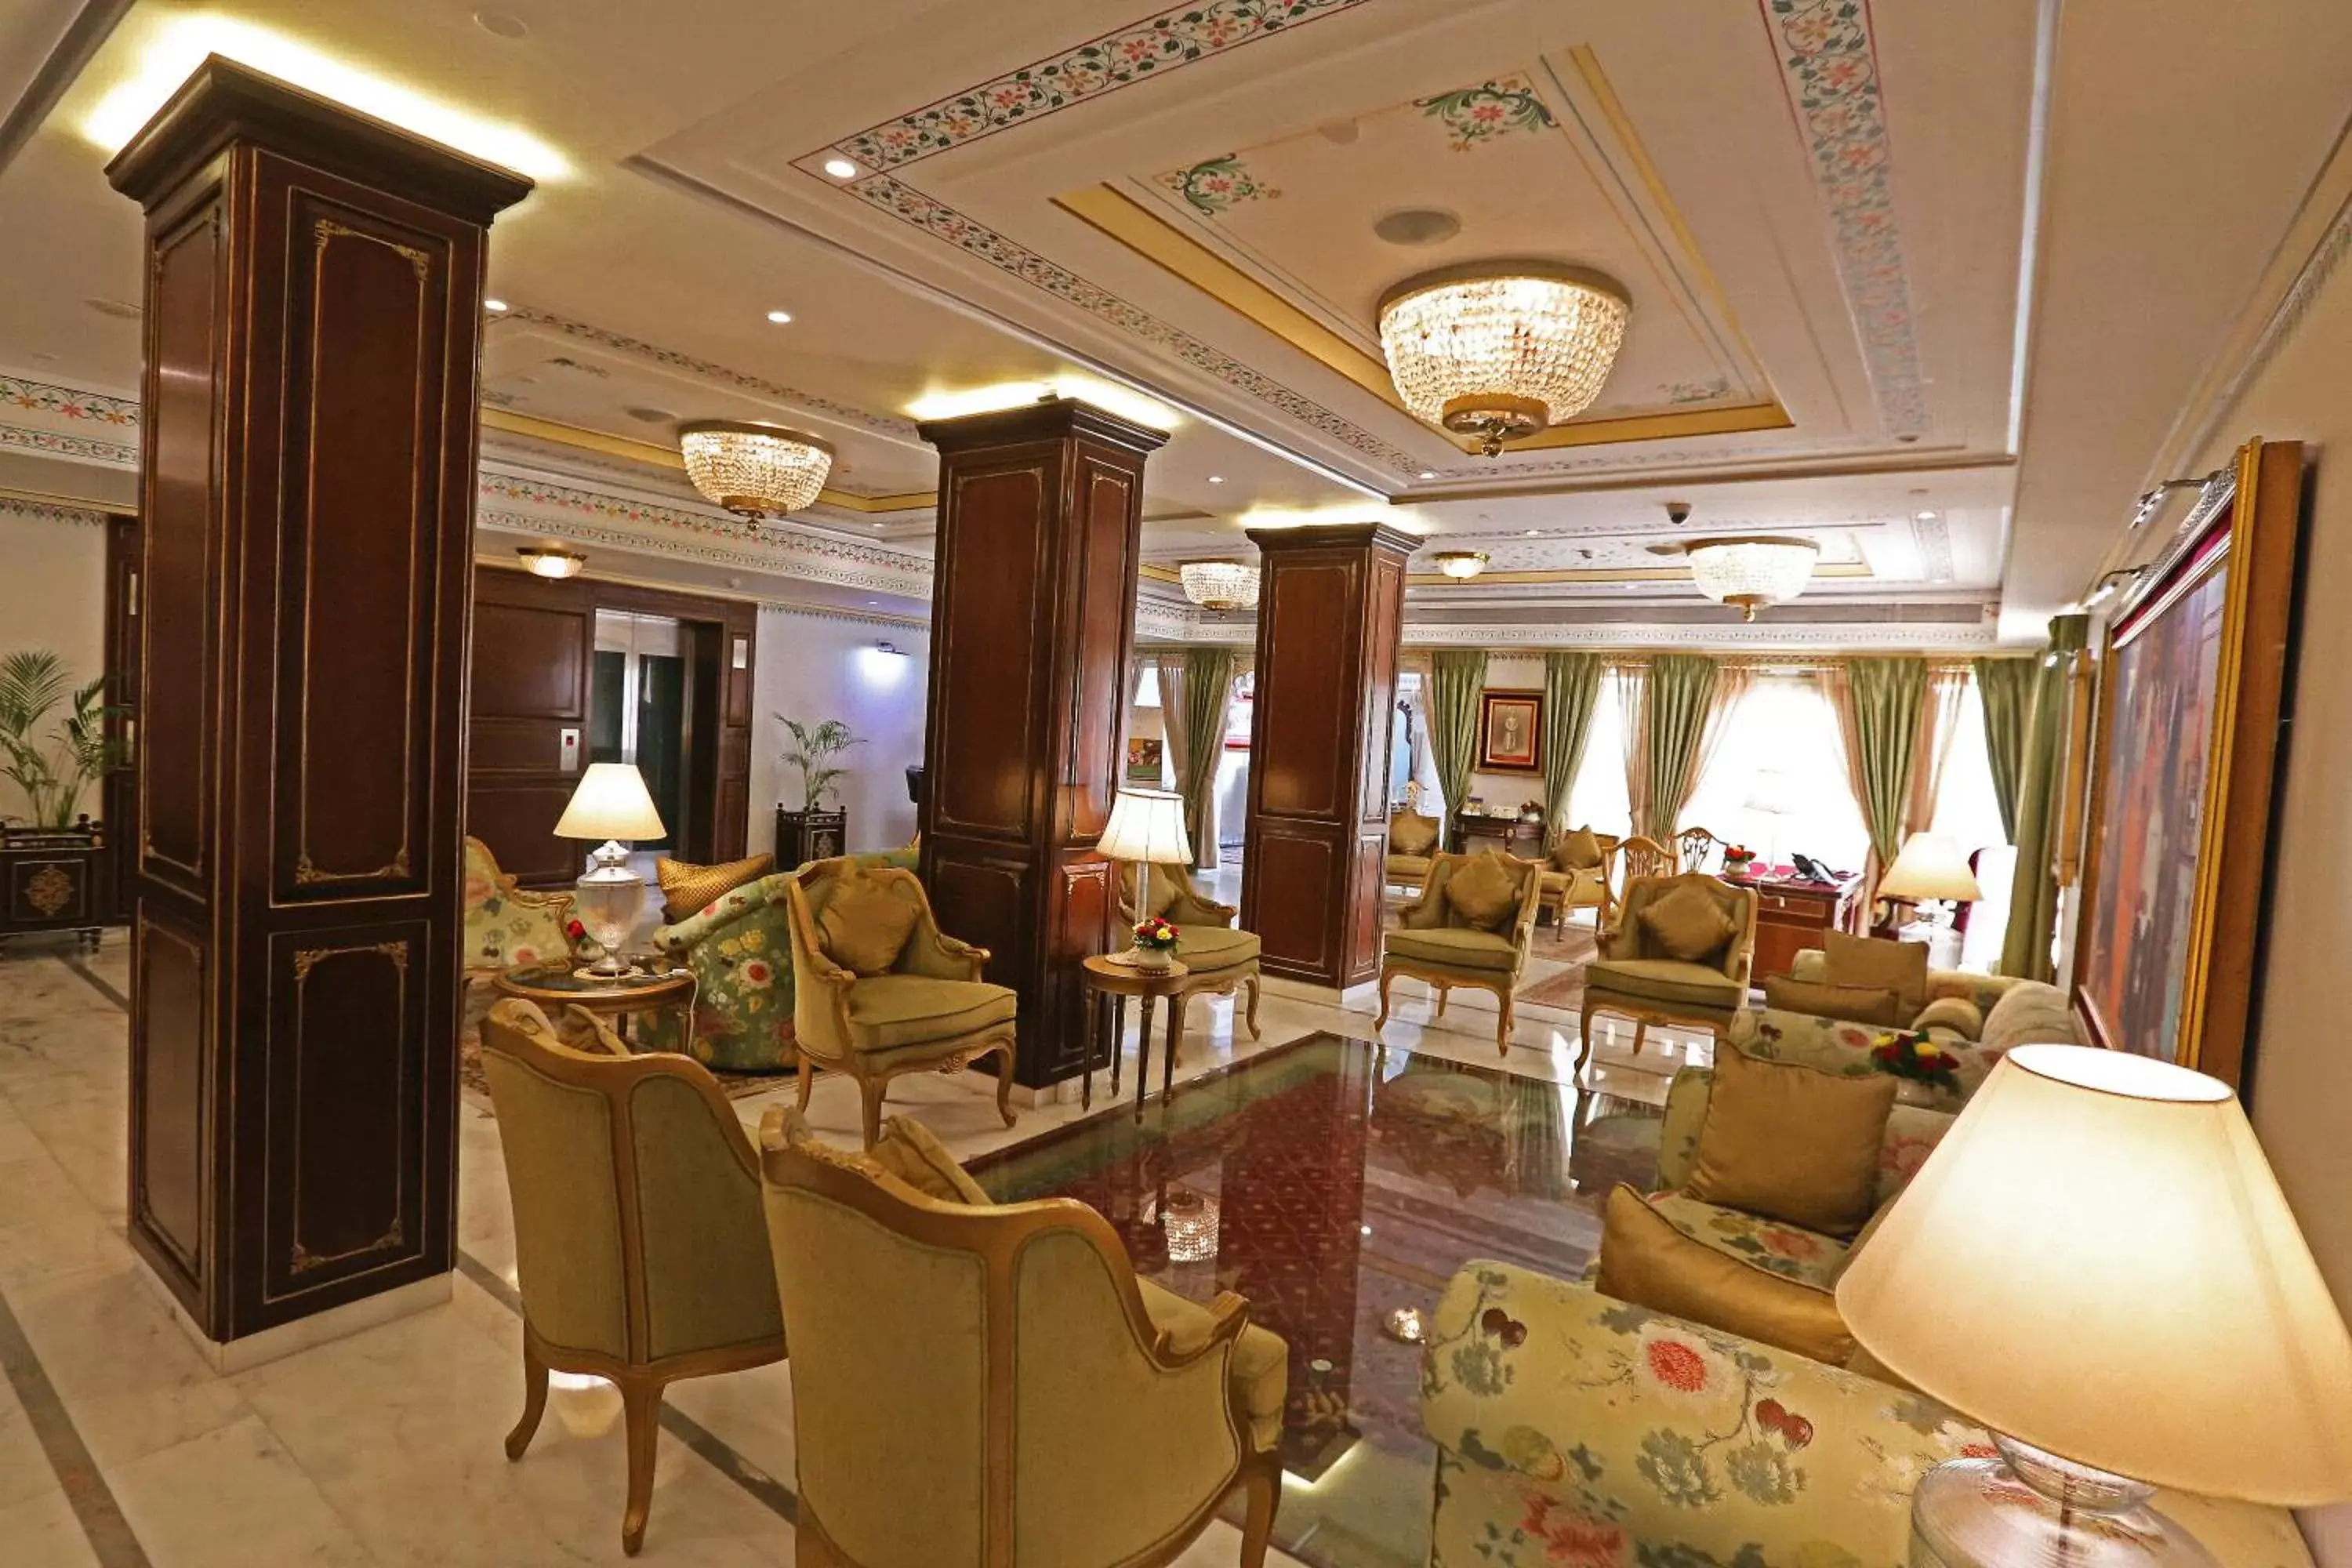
(42, 1532)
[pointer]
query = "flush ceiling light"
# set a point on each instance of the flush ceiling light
(781, 318)
(176, 47)
(1502, 350)
(494, 306)
(754, 470)
(1109, 397)
(841, 168)
(1460, 564)
(1751, 570)
(552, 560)
(1219, 585)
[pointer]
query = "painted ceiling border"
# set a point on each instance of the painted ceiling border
(43, 512)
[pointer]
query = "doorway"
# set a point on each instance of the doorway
(641, 709)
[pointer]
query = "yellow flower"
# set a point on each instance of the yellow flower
(1923, 1047)
(753, 940)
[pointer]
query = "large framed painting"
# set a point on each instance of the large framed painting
(2188, 726)
(1510, 731)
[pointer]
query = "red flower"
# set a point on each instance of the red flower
(574, 929)
(1676, 1365)
(1572, 1537)
(1979, 1451)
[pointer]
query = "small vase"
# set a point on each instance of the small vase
(1152, 960)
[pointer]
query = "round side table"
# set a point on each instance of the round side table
(1108, 984)
(557, 985)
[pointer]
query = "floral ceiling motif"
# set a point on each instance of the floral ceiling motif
(58, 444)
(1830, 66)
(41, 511)
(1488, 112)
(517, 490)
(1215, 184)
(1174, 37)
(68, 403)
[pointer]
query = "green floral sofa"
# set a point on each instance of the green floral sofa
(2016, 1012)
(1835, 1045)
(1573, 1428)
(739, 948)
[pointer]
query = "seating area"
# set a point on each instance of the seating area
(1290, 782)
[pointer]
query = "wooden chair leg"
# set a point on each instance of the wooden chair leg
(1378, 1024)
(1640, 1030)
(1443, 992)
(808, 1077)
(1583, 1037)
(1252, 1009)
(1004, 1083)
(1262, 1495)
(641, 1417)
(1502, 1032)
(870, 1091)
(534, 1402)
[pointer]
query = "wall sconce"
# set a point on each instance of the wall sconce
(893, 650)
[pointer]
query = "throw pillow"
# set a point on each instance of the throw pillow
(688, 887)
(864, 924)
(1688, 925)
(1647, 1261)
(913, 1152)
(1899, 967)
(1853, 1003)
(1410, 833)
(1484, 893)
(1577, 851)
(1791, 1144)
(1957, 1014)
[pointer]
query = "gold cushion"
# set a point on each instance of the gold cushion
(688, 887)
(1577, 851)
(889, 1011)
(1484, 893)
(1899, 967)
(1648, 1262)
(1259, 1374)
(1854, 1004)
(1688, 925)
(1455, 947)
(865, 925)
(1791, 1144)
(1410, 833)
(1201, 948)
(913, 1152)
(1665, 980)
(1955, 1013)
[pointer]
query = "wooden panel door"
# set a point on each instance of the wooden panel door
(535, 639)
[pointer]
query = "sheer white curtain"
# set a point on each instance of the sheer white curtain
(1776, 781)
(1168, 666)
(1631, 682)
(1938, 729)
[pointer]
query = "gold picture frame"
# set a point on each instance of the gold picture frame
(1510, 730)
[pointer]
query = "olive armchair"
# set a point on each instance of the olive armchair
(991, 1385)
(639, 1242)
(1221, 958)
(1442, 943)
(1413, 841)
(929, 1012)
(1656, 969)
(1567, 885)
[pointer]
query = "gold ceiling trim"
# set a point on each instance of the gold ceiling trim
(1158, 573)
(1850, 569)
(1736, 419)
(660, 457)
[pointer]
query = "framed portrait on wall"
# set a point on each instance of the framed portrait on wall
(1510, 731)
(2187, 734)
(1143, 759)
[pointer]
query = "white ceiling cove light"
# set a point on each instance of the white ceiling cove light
(1219, 585)
(754, 470)
(1502, 350)
(1751, 570)
(174, 49)
(1109, 397)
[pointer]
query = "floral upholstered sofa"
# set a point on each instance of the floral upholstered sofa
(2015, 1012)
(738, 949)
(1573, 1428)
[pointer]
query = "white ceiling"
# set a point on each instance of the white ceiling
(1823, 213)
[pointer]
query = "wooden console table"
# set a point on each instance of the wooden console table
(1793, 913)
(1511, 834)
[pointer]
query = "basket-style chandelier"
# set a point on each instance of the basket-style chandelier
(1751, 570)
(1502, 350)
(756, 470)
(1218, 586)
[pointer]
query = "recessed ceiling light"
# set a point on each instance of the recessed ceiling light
(1216, 478)
(781, 318)
(1429, 473)
(494, 305)
(1533, 532)
(501, 23)
(647, 414)
(841, 168)
(1926, 516)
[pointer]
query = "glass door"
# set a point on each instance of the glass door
(640, 710)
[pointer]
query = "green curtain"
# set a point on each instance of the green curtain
(2005, 687)
(1571, 692)
(1682, 689)
(1456, 677)
(2033, 890)
(1208, 684)
(1888, 698)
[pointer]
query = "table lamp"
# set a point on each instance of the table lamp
(1147, 825)
(1774, 793)
(610, 804)
(1930, 867)
(2097, 1264)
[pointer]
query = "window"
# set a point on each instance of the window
(1597, 799)
(1966, 812)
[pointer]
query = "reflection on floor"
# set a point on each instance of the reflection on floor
(119, 1447)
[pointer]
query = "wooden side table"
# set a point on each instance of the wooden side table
(558, 985)
(1109, 985)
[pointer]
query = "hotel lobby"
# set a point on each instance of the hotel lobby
(1307, 782)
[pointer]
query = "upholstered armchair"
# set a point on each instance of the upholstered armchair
(1576, 876)
(642, 1252)
(1679, 953)
(1412, 839)
(1473, 925)
(506, 924)
(738, 949)
(924, 1010)
(1221, 958)
(990, 1384)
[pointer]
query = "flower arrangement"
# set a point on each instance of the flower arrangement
(1907, 1053)
(1736, 858)
(1155, 935)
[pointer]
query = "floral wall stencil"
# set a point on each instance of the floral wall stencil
(1214, 185)
(1489, 111)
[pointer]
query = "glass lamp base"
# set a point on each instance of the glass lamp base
(2034, 1510)
(610, 898)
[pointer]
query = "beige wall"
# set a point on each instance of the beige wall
(53, 595)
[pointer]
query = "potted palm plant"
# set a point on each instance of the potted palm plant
(813, 833)
(53, 746)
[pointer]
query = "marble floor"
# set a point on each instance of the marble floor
(120, 1446)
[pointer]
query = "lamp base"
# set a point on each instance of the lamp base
(2031, 1508)
(609, 898)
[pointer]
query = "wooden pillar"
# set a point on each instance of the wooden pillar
(314, 287)
(1330, 611)
(1033, 617)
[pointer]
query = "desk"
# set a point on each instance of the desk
(1108, 984)
(1792, 914)
(1511, 834)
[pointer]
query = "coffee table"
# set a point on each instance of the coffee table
(562, 985)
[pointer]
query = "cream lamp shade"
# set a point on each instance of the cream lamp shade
(1147, 824)
(2097, 1260)
(611, 802)
(1930, 865)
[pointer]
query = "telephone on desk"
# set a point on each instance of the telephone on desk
(1814, 870)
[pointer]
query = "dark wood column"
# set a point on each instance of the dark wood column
(1032, 616)
(314, 284)
(1330, 610)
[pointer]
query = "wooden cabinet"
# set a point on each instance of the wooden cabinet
(805, 836)
(53, 879)
(1791, 916)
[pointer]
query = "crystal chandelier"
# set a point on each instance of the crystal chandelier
(1751, 570)
(1190, 1221)
(757, 471)
(1502, 350)
(1219, 585)
(1460, 564)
